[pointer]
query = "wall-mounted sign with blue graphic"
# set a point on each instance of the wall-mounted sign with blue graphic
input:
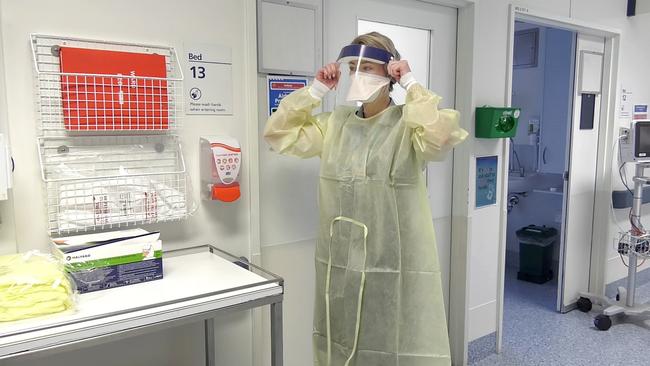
(640, 111)
(486, 180)
(281, 86)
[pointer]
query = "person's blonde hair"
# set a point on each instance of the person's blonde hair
(378, 40)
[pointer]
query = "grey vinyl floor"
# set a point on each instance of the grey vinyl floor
(535, 334)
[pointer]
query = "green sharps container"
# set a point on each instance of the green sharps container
(536, 253)
(496, 122)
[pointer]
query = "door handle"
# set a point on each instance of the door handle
(544, 154)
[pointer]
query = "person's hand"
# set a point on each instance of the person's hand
(329, 75)
(397, 69)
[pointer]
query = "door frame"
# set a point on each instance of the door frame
(606, 131)
(566, 202)
(459, 256)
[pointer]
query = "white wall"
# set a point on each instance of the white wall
(288, 228)
(228, 226)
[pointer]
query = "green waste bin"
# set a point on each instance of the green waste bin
(536, 253)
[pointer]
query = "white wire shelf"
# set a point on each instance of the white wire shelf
(106, 182)
(628, 244)
(82, 102)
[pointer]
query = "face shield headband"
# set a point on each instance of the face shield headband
(358, 52)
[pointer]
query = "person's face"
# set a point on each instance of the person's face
(368, 67)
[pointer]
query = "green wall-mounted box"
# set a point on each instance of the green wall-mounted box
(496, 122)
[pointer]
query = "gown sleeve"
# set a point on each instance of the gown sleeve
(293, 130)
(434, 131)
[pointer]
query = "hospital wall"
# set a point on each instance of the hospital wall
(288, 227)
(228, 226)
(490, 52)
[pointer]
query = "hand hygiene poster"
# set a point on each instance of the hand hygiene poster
(486, 181)
(208, 79)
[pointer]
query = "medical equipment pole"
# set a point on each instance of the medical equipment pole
(639, 181)
(633, 244)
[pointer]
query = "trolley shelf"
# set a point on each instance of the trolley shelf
(199, 283)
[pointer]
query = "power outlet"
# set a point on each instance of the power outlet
(624, 134)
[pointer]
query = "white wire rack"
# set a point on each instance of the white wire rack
(73, 101)
(629, 244)
(104, 182)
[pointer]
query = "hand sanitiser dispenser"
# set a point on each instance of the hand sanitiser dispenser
(220, 165)
(496, 122)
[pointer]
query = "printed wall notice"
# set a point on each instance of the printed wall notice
(625, 105)
(279, 87)
(486, 181)
(208, 79)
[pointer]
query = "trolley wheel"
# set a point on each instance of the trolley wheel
(602, 322)
(584, 304)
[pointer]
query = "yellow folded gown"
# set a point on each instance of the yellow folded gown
(32, 284)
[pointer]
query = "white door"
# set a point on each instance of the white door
(424, 34)
(580, 178)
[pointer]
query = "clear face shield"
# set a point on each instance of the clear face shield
(364, 74)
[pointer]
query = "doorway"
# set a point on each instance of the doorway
(542, 87)
(580, 239)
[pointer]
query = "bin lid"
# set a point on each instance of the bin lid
(540, 235)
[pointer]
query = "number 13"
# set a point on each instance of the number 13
(198, 72)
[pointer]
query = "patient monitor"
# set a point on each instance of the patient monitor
(635, 148)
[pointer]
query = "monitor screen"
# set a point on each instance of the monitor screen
(642, 139)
